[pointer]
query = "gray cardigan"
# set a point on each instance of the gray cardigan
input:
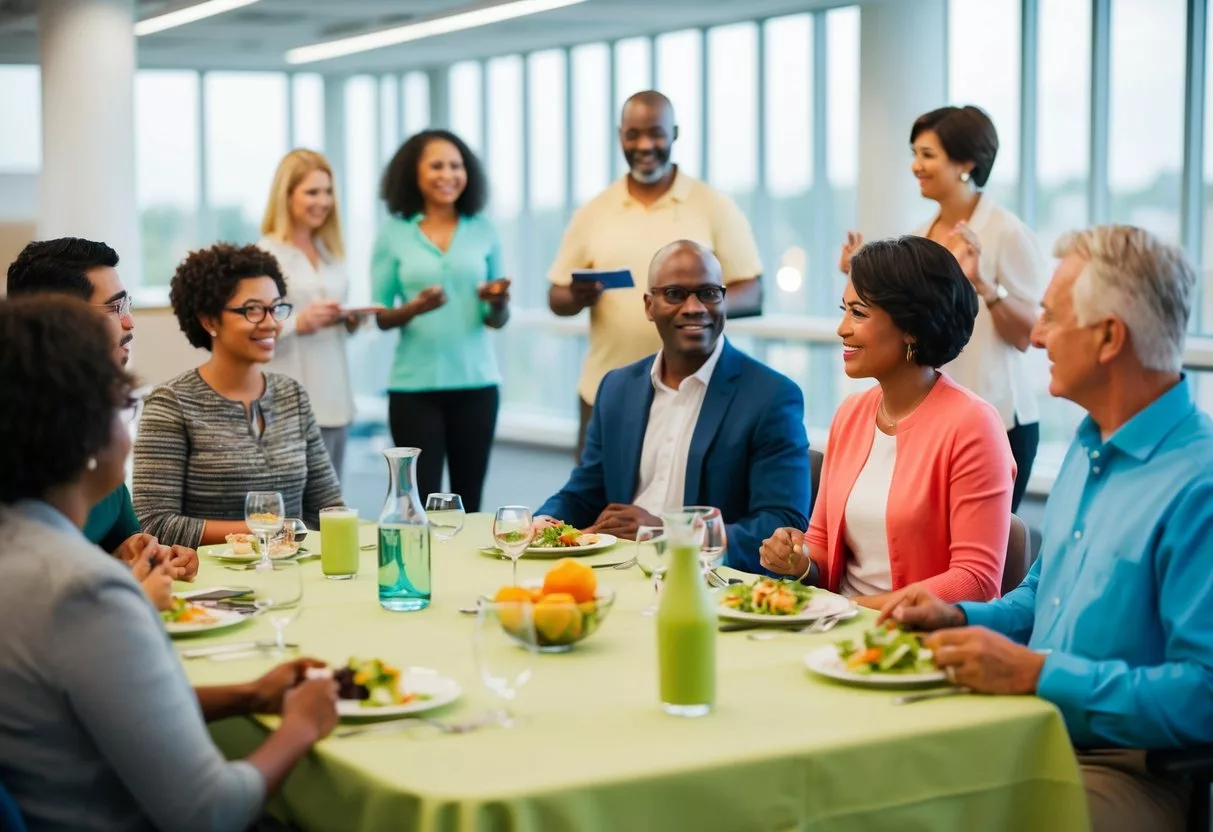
(99, 728)
(196, 457)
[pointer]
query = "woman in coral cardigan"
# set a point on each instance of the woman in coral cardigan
(916, 486)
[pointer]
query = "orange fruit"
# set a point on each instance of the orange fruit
(511, 613)
(557, 619)
(512, 593)
(573, 578)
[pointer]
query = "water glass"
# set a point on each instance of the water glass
(715, 543)
(513, 530)
(278, 595)
(504, 644)
(650, 556)
(263, 514)
(339, 548)
(446, 514)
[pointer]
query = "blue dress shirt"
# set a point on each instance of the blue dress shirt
(1121, 597)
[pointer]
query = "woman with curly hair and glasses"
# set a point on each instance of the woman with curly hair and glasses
(213, 434)
(916, 484)
(437, 267)
(101, 727)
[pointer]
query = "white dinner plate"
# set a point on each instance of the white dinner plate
(440, 689)
(825, 661)
(605, 541)
(223, 551)
(820, 605)
(223, 620)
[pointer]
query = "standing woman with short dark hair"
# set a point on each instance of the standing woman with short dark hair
(954, 150)
(437, 267)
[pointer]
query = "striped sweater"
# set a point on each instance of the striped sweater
(196, 457)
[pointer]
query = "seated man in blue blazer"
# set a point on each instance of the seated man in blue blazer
(700, 423)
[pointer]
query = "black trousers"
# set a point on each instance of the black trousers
(1024, 439)
(451, 427)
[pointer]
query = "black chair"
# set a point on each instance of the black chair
(1019, 555)
(1195, 764)
(816, 458)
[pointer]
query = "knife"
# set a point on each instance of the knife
(216, 649)
(934, 694)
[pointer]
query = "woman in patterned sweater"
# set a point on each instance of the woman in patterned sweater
(213, 434)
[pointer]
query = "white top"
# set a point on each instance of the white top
(317, 361)
(989, 366)
(864, 524)
(667, 437)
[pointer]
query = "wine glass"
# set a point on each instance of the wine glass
(445, 513)
(714, 543)
(278, 594)
(504, 644)
(651, 557)
(264, 512)
(513, 529)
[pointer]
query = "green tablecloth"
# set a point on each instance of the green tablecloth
(783, 750)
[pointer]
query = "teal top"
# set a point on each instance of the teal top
(112, 520)
(448, 348)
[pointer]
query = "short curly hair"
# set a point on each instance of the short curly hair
(206, 280)
(967, 135)
(402, 195)
(921, 286)
(62, 389)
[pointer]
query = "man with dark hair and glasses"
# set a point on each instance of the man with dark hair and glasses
(87, 270)
(699, 423)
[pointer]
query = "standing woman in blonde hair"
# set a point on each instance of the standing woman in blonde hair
(302, 230)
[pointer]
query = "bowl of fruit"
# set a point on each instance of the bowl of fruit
(566, 606)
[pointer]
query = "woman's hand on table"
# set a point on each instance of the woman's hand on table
(317, 315)
(784, 552)
(266, 694)
(311, 706)
(496, 292)
(155, 577)
(917, 608)
(183, 562)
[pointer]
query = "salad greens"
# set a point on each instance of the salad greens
(557, 537)
(887, 651)
(768, 596)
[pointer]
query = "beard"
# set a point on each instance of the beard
(662, 156)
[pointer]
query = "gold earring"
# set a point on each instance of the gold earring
(909, 352)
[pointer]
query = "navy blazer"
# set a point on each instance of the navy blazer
(749, 455)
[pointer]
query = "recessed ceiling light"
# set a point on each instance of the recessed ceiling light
(190, 14)
(428, 28)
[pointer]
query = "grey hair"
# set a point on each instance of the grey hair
(1134, 276)
(710, 263)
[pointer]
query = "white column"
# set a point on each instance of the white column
(903, 47)
(87, 186)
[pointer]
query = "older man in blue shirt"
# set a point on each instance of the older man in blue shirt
(1114, 622)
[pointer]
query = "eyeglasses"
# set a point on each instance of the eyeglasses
(677, 295)
(119, 308)
(254, 313)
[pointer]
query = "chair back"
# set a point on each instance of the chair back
(816, 458)
(10, 814)
(1019, 555)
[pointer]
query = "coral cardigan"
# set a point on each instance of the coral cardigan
(949, 505)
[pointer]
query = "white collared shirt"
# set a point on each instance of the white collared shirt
(317, 361)
(667, 437)
(988, 365)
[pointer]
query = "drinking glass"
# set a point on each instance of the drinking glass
(264, 513)
(714, 543)
(504, 644)
(277, 594)
(513, 529)
(446, 514)
(339, 549)
(651, 557)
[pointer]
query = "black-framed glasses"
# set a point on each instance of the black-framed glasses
(677, 295)
(119, 308)
(254, 313)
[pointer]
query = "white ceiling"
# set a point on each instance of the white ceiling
(256, 36)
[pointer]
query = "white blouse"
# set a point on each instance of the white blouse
(317, 361)
(865, 521)
(989, 366)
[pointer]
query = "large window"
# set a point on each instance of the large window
(166, 173)
(389, 117)
(246, 137)
(680, 78)
(593, 139)
(733, 111)
(466, 86)
(633, 73)
(505, 157)
(547, 119)
(21, 138)
(307, 102)
(415, 103)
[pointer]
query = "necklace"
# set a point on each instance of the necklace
(882, 412)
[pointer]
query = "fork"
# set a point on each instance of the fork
(412, 721)
(821, 625)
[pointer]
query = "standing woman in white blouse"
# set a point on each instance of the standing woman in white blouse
(953, 152)
(302, 230)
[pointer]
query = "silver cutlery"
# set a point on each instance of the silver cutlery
(230, 647)
(821, 625)
(615, 564)
(910, 699)
(627, 564)
(413, 721)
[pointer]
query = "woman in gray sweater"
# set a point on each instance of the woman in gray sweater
(99, 728)
(213, 434)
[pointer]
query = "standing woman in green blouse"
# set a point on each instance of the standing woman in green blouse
(437, 269)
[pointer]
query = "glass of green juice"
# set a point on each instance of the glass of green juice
(339, 543)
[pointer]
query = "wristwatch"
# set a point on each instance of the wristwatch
(996, 297)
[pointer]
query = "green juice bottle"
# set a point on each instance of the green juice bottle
(686, 624)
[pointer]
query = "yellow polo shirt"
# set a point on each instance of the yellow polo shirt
(614, 231)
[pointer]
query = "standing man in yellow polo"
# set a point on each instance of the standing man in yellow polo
(653, 205)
